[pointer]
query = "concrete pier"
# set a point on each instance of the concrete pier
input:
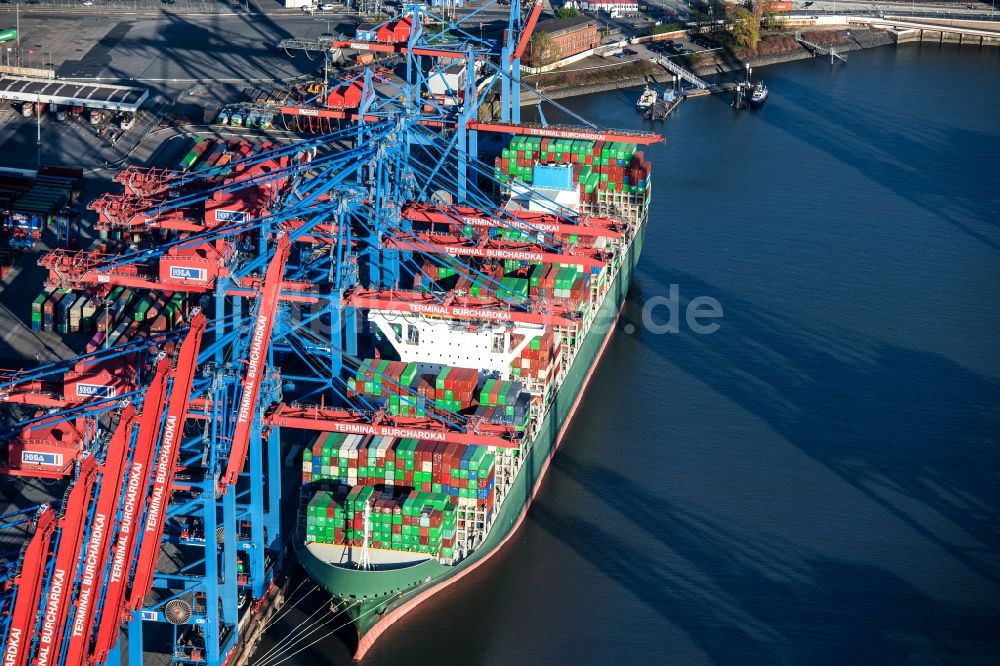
(978, 33)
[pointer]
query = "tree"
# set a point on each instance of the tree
(743, 26)
(567, 12)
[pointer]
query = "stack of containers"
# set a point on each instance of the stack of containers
(142, 308)
(413, 521)
(518, 158)
(403, 392)
(513, 289)
(36, 310)
(394, 380)
(437, 276)
(191, 157)
(565, 285)
(454, 388)
(88, 314)
(378, 378)
(485, 285)
(608, 166)
(49, 310)
(76, 314)
(536, 360)
(530, 272)
(503, 403)
(174, 311)
(66, 304)
(463, 472)
(325, 516)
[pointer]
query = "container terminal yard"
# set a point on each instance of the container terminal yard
(277, 293)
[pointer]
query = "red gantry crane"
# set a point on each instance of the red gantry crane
(28, 583)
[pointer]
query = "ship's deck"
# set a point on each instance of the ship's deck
(341, 555)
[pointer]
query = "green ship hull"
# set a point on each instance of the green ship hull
(374, 600)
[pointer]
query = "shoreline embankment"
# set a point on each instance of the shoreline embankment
(841, 38)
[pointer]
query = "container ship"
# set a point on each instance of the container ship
(422, 310)
(386, 522)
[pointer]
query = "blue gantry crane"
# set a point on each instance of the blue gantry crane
(173, 510)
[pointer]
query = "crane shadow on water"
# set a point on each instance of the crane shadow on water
(910, 432)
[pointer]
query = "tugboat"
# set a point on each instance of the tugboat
(647, 99)
(759, 94)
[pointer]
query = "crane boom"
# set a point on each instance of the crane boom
(173, 429)
(529, 222)
(260, 341)
(62, 579)
(134, 498)
(529, 27)
(95, 557)
(29, 591)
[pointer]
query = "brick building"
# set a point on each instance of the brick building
(561, 38)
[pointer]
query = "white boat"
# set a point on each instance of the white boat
(759, 94)
(647, 99)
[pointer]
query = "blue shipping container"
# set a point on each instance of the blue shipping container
(553, 177)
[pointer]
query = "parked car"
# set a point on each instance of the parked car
(327, 7)
(630, 52)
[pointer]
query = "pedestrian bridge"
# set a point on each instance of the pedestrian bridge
(684, 74)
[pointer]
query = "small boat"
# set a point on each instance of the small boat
(759, 94)
(647, 99)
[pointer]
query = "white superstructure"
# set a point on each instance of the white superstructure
(435, 342)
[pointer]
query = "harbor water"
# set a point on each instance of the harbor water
(818, 480)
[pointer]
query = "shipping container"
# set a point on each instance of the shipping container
(36, 310)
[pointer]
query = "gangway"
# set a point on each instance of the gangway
(816, 49)
(683, 73)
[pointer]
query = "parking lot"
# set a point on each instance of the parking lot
(683, 45)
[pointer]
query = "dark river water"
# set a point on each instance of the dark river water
(819, 480)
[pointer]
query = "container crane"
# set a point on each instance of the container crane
(255, 361)
(28, 585)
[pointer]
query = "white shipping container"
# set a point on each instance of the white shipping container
(384, 446)
(356, 447)
(345, 446)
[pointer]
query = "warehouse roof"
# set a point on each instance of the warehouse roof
(55, 91)
(558, 26)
